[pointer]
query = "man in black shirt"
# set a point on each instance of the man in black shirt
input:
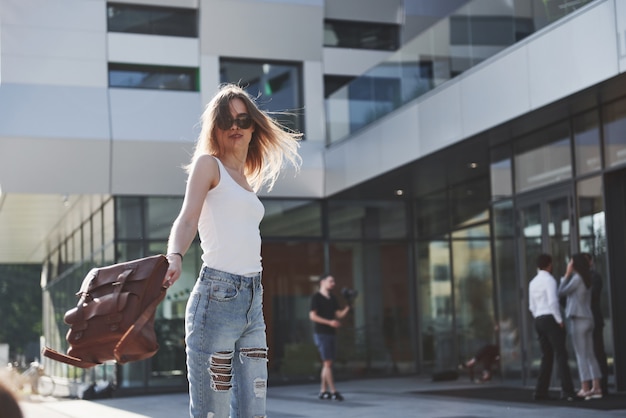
(325, 314)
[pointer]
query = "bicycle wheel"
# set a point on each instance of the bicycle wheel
(45, 385)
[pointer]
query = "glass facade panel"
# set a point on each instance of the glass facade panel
(614, 126)
(367, 219)
(434, 276)
(503, 219)
(508, 304)
(456, 43)
(278, 86)
(129, 218)
(291, 271)
(291, 218)
(153, 77)
(469, 202)
(592, 226)
(152, 20)
(543, 158)
(587, 143)
(473, 295)
(376, 335)
(98, 228)
(501, 172)
(432, 215)
(559, 232)
(160, 214)
(361, 35)
(108, 220)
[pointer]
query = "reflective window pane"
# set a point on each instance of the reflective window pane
(153, 77)
(435, 305)
(587, 143)
(277, 85)
(503, 219)
(473, 287)
(367, 219)
(469, 202)
(361, 35)
(614, 118)
(287, 218)
(291, 271)
(501, 173)
(591, 226)
(152, 20)
(537, 164)
(432, 215)
(160, 214)
(129, 218)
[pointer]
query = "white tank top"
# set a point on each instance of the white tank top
(229, 227)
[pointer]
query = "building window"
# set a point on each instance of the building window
(278, 86)
(361, 35)
(152, 20)
(153, 77)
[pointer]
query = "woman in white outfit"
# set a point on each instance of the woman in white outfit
(576, 286)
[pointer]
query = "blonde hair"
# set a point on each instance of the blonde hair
(271, 144)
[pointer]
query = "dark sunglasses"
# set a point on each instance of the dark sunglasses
(242, 122)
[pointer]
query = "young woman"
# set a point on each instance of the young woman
(240, 149)
(576, 285)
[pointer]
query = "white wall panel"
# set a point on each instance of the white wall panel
(40, 45)
(440, 118)
(209, 77)
(383, 146)
(620, 13)
(495, 93)
(52, 42)
(77, 15)
(149, 168)
(152, 115)
(61, 72)
(51, 112)
(398, 138)
(63, 166)
(314, 126)
(156, 50)
(251, 29)
(573, 55)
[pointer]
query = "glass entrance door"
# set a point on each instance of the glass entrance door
(545, 226)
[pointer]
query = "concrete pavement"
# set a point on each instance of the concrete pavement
(369, 398)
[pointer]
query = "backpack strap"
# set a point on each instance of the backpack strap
(134, 331)
(64, 358)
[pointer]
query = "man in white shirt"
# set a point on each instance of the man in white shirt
(543, 303)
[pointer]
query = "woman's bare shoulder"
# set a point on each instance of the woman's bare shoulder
(206, 167)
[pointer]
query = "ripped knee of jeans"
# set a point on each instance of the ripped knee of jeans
(256, 354)
(221, 370)
(253, 353)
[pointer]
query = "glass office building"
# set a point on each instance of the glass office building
(449, 160)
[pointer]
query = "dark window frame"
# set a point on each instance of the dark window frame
(191, 72)
(364, 35)
(291, 117)
(152, 20)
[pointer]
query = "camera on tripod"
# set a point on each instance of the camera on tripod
(349, 294)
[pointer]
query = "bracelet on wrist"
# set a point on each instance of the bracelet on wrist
(178, 254)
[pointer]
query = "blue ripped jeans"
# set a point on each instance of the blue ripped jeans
(226, 346)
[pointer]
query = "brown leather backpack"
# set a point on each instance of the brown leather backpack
(114, 318)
